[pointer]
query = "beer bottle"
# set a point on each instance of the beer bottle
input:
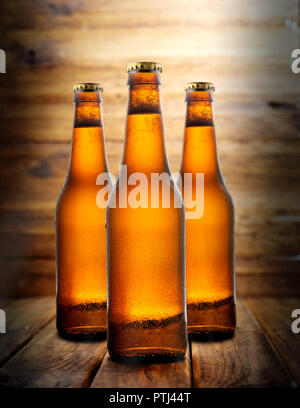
(80, 223)
(145, 235)
(209, 221)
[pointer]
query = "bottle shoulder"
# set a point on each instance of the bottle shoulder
(209, 198)
(80, 194)
(219, 192)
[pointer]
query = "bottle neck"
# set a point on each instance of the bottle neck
(200, 152)
(144, 142)
(88, 156)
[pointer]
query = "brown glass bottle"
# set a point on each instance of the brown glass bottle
(80, 223)
(209, 230)
(145, 245)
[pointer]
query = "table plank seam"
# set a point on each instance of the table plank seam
(191, 363)
(276, 351)
(24, 343)
(95, 370)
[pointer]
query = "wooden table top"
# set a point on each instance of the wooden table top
(263, 353)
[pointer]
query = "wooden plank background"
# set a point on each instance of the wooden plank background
(243, 47)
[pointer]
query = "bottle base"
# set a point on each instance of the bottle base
(83, 319)
(148, 339)
(82, 333)
(212, 319)
(151, 354)
(210, 333)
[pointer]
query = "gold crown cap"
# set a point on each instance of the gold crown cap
(88, 87)
(144, 65)
(199, 86)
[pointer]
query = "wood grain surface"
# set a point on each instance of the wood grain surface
(243, 47)
(247, 360)
(51, 362)
(276, 319)
(24, 318)
(160, 375)
(263, 353)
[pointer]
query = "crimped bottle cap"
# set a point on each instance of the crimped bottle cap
(144, 66)
(199, 86)
(88, 87)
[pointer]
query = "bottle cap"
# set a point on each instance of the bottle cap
(144, 66)
(88, 87)
(199, 86)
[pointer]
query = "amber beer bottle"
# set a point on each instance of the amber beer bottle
(209, 221)
(145, 241)
(80, 223)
